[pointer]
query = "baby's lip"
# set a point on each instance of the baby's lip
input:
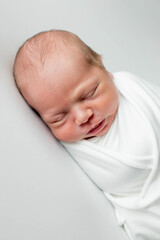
(98, 127)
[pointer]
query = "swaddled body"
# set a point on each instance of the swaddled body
(125, 162)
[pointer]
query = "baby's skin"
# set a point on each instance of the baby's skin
(75, 99)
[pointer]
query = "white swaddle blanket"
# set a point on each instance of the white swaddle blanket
(125, 162)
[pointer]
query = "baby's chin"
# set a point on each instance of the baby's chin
(88, 136)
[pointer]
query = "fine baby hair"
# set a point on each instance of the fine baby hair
(33, 53)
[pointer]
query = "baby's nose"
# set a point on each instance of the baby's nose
(82, 115)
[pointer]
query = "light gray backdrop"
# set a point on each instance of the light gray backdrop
(125, 32)
(43, 193)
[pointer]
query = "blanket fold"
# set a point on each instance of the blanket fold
(125, 162)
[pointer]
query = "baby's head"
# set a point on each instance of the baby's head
(65, 82)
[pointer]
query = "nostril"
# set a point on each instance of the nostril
(90, 118)
(80, 123)
(83, 116)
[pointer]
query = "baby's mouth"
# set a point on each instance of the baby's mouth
(98, 127)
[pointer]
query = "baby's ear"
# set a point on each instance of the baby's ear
(110, 75)
(100, 59)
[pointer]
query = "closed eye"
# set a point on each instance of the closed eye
(59, 119)
(91, 93)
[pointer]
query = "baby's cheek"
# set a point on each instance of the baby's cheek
(109, 102)
(102, 104)
(64, 133)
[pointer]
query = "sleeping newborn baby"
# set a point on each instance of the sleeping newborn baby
(109, 123)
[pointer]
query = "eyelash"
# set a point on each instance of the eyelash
(61, 118)
(90, 94)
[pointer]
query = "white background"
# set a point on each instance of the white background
(43, 193)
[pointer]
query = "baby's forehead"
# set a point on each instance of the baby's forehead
(40, 54)
(39, 47)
